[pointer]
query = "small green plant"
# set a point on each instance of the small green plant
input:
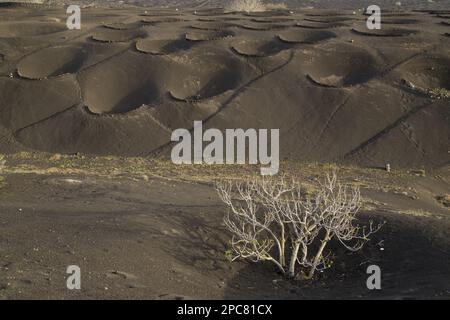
(273, 220)
(444, 200)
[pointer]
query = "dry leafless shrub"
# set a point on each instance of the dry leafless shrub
(246, 6)
(2, 167)
(274, 220)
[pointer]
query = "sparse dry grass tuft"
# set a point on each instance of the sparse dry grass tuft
(444, 200)
(2, 167)
(2, 162)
